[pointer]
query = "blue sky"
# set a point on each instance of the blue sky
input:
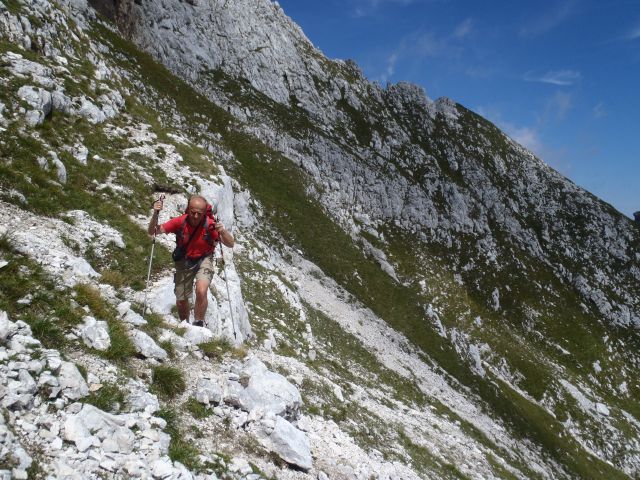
(561, 77)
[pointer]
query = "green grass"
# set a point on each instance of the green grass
(155, 323)
(282, 189)
(352, 361)
(216, 349)
(168, 382)
(122, 347)
(50, 313)
(181, 449)
(108, 398)
(197, 409)
(122, 267)
(168, 347)
(424, 460)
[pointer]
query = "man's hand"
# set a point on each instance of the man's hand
(157, 206)
(225, 236)
(153, 228)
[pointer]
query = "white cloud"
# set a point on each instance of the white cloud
(599, 111)
(634, 34)
(556, 77)
(428, 45)
(528, 137)
(480, 71)
(391, 68)
(418, 45)
(558, 105)
(362, 8)
(464, 29)
(550, 19)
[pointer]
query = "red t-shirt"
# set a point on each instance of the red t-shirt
(199, 245)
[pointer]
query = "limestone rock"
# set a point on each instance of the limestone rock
(208, 392)
(290, 444)
(197, 335)
(40, 100)
(72, 385)
(146, 346)
(268, 391)
(95, 334)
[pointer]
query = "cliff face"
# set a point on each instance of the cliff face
(393, 155)
(436, 301)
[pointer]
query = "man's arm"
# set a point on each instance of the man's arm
(225, 235)
(154, 228)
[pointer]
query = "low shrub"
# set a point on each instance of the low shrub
(108, 398)
(168, 381)
(197, 409)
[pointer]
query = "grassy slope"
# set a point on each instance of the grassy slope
(281, 188)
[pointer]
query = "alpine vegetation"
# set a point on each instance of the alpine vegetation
(393, 288)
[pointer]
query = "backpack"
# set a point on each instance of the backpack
(180, 252)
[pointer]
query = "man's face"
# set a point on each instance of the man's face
(196, 211)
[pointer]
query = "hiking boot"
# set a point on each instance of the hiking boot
(198, 323)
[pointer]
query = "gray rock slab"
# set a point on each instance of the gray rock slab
(290, 444)
(72, 384)
(268, 391)
(146, 346)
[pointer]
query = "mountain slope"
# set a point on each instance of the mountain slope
(513, 316)
(534, 253)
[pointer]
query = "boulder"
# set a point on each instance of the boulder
(95, 334)
(290, 444)
(208, 391)
(268, 391)
(146, 346)
(38, 99)
(90, 425)
(72, 384)
(143, 401)
(197, 335)
(129, 316)
(7, 327)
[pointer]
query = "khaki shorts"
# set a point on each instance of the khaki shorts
(185, 276)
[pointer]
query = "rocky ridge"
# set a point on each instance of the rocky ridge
(370, 184)
(366, 399)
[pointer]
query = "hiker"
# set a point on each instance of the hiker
(193, 255)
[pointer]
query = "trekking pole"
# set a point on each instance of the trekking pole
(153, 246)
(226, 281)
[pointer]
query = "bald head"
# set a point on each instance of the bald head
(198, 200)
(196, 209)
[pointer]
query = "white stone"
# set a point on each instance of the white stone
(196, 335)
(7, 327)
(60, 102)
(28, 384)
(133, 318)
(602, 409)
(95, 334)
(290, 444)
(267, 390)
(71, 382)
(143, 401)
(146, 346)
(161, 468)
(39, 99)
(208, 391)
(53, 360)
(61, 170)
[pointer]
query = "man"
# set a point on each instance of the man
(197, 234)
